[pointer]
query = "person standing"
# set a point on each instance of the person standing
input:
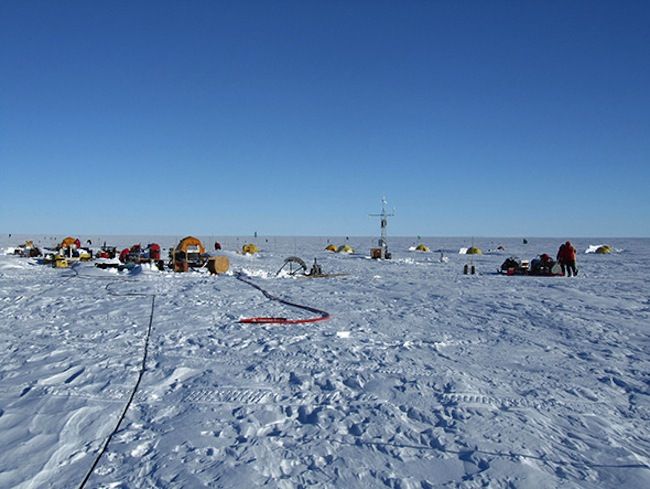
(566, 255)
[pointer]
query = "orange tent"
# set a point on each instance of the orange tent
(67, 242)
(189, 252)
(190, 244)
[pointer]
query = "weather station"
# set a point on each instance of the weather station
(382, 253)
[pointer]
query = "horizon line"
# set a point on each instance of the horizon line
(467, 236)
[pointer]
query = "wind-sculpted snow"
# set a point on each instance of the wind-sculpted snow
(423, 377)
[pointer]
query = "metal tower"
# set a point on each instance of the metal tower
(383, 243)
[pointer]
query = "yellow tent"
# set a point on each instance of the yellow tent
(604, 250)
(473, 250)
(331, 247)
(190, 244)
(422, 247)
(345, 249)
(249, 249)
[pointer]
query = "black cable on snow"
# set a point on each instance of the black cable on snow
(143, 367)
(322, 315)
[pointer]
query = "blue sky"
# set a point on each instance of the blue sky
(473, 118)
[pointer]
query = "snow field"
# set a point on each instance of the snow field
(443, 380)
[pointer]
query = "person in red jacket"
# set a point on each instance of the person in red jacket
(566, 255)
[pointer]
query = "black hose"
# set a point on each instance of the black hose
(322, 314)
(143, 368)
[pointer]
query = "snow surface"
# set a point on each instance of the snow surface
(423, 377)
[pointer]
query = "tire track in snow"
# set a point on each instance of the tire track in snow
(106, 395)
(265, 396)
(470, 400)
(287, 362)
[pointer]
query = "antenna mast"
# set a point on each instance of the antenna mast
(383, 242)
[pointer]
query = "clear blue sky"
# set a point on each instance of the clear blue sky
(294, 117)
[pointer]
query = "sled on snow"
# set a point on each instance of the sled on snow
(542, 266)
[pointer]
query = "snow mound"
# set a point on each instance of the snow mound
(256, 273)
(406, 261)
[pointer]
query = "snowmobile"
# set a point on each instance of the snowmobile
(65, 256)
(137, 255)
(27, 250)
(107, 252)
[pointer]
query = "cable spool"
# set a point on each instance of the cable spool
(218, 265)
(295, 265)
